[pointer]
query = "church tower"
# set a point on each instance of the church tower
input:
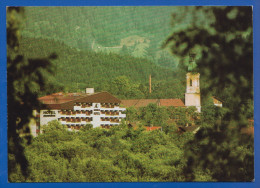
(192, 95)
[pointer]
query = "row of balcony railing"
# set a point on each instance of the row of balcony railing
(79, 120)
(116, 120)
(88, 112)
(103, 105)
(110, 113)
(78, 126)
(74, 120)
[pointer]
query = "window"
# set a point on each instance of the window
(190, 82)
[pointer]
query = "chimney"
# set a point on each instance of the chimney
(89, 91)
(150, 84)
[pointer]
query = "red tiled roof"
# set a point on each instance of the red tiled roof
(248, 130)
(217, 99)
(171, 102)
(102, 97)
(53, 106)
(139, 102)
(160, 102)
(67, 101)
(153, 128)
(58, 98)
(135, 127)
(146, 102)
(128, 103)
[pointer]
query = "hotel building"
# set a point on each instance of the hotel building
(76, 110)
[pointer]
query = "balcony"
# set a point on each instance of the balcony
(111, 120)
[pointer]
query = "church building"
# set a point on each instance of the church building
(192, 95)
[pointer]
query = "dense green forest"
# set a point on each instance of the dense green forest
(119, 154)
(122, 75)
(136, 31)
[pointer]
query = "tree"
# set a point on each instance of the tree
(124, 50)
(24, 77)
(222, 40)
(149, 113)
(131, 114)
(161, 117)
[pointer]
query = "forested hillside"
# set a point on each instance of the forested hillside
(122, 75)
(137, 31)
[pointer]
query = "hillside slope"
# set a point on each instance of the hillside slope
(76, 70)
(105, 29)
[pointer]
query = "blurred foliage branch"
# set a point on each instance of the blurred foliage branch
(24, 78)
(222, 40)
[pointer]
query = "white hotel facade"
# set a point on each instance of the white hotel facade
(76, 110)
